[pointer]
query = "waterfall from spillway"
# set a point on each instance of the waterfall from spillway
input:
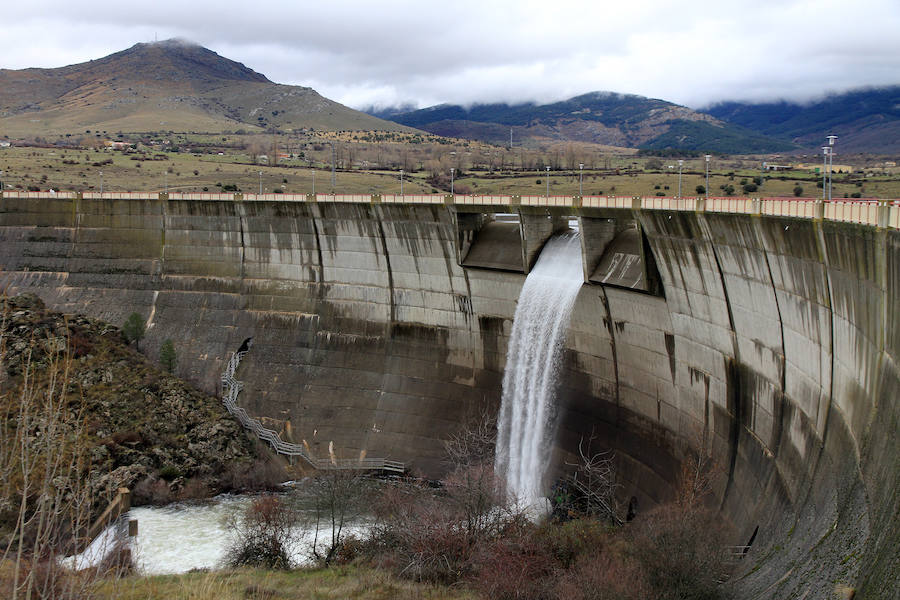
(527, 413)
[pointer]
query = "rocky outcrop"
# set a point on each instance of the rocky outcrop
(147, 429)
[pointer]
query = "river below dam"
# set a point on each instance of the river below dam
(186, 536)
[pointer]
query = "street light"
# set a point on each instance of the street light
(166, 179)
(581, 179)
(101, 183)
(401, 182)
(260, 182)
(831, 139)
(451, 180)
(1, 181)
(548, 182)
(314, 181)
(708, 156)
(824, 173)
(680, 164)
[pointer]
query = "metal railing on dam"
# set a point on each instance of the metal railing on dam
(867, 211)
(231, 387)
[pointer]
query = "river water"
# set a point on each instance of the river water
(180, 537)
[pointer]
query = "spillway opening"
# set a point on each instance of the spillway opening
(528, 413)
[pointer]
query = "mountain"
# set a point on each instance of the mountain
(598, 117)
(170, 85)
(865, 120)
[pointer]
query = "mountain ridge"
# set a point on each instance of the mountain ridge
(608, 118)
(169, 85)
(864, 119)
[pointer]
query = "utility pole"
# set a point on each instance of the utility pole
(581, 179)
(101, 183)
(548, 182)
(260, 182)
(451, 180)
(680, 165)
(708, 156)
(401, 182)
(831, 139)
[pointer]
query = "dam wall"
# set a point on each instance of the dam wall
(762, 329)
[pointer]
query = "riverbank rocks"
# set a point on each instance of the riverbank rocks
(147, 429)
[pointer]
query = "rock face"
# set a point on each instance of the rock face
(776, 340)
(148, 430)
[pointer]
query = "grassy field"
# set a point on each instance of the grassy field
(80, 170)
(329, 584)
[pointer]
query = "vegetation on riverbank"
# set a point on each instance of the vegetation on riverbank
(339, 583)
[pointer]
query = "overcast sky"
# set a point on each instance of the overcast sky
(464, 51)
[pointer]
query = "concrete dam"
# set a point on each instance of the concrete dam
(766, 329)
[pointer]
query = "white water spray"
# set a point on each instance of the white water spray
(527, 413)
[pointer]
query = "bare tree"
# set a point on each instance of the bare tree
(46, 504)
(594, 480)
(335, 498)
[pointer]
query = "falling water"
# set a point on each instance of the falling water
(527, 412)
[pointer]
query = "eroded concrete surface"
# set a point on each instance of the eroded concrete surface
(777, 338)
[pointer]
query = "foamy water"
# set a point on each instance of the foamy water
(183, 536)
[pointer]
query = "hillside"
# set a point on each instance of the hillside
(172, 86)
(144, 428)
(598, 117)
(866, 120)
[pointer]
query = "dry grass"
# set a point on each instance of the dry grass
(330, 584)
(46, 168)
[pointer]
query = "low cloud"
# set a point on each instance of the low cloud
(403, 51)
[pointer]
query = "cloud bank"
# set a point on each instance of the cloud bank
(398, 51)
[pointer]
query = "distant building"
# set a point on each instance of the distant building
(818, 168)
(771, 167)
(4, 144)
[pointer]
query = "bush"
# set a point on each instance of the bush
(700, 189)
(749, 187)
(680, 552)
(798, 191)
(262, 534)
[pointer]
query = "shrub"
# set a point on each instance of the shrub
(680, 552)
(262, 534)
(798, 191)
(602, 576)
(170, 472)
(700, 189)
(749, 187)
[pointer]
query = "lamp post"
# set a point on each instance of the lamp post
(401, 182)
(451, 180)
(581, 179)
(314, 181)
(260, 182)
(101, 183)
(680, 164)
(824, 173)
(166, 179)
(708, 156)
(831, 139)
(548, 182)
(1, 181)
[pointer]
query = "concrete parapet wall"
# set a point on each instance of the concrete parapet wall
(775, 340)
